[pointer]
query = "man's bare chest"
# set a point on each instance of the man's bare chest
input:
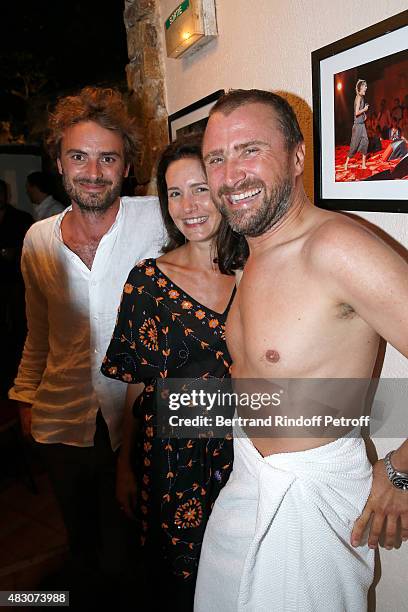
(271, 332)
(85, 251)
(290, 327)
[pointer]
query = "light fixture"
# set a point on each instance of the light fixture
(191, 25)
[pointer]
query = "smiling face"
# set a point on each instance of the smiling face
(92, 165)
(189, 200)
(250, 172)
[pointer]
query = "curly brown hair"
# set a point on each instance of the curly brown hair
(101, 105)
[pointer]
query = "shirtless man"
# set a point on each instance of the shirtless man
(317, 293)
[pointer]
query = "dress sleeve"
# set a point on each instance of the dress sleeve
(134, 354)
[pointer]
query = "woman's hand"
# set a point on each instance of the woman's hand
(126, 487)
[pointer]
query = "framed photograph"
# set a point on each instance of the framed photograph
(360, 108)
(192, 118)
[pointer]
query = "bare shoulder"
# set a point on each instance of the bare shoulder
(173, 261)
(355, 267)
(337, 239)
(342, 250)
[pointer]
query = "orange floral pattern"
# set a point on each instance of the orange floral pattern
(189, 514)
(162, 332)
(148, 334)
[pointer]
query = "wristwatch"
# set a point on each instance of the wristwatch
(398, 479)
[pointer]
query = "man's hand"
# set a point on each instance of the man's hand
(24, 411)
(126, 488)
(388, 509)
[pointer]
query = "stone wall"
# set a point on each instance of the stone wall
(145, 77)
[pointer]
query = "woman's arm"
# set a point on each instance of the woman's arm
(357, 110)
(126, 488)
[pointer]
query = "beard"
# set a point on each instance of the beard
(253, 223)
(96, 203)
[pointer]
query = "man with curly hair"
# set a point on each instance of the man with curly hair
(74, 265)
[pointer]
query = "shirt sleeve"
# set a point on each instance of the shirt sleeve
(36, 348)
(135, 353)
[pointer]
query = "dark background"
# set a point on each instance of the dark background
(50, 48)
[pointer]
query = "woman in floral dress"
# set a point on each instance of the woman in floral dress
(171, 324)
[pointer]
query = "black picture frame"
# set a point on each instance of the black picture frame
(376, 50)
(192, 118)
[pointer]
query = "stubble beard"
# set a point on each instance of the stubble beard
(254, 223)
(93, 203)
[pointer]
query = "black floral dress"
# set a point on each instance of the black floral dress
(161, 332)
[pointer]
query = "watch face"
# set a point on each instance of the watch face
(401, 482)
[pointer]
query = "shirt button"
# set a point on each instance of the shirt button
(96, 351)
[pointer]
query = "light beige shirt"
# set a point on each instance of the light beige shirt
(71, 314)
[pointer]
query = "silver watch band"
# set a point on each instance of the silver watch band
(391, 471)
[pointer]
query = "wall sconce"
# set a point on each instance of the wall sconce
(190, 26)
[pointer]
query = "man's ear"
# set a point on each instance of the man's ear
(59, 165)
(126, 170)
(299, 154)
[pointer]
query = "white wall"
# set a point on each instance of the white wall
(267, 44)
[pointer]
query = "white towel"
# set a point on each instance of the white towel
(278, 539)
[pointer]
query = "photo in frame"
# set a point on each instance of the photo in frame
(361, 137)
(192, 118)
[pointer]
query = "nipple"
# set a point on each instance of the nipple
(272, 356)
